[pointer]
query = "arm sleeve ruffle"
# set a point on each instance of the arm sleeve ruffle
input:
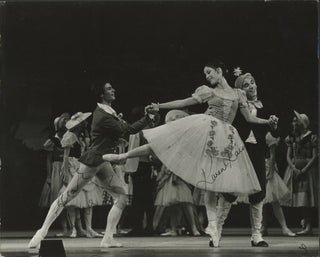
(202, 94)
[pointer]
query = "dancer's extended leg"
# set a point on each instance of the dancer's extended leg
(136, 152)
(79, 180)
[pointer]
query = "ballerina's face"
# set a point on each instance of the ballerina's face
(250, 87)
(212, 75)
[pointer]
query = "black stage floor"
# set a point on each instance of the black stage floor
(233, 244)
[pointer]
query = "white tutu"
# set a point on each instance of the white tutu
(206, 153)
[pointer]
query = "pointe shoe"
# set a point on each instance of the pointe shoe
(91, 233)
(118, 158)
(214, 240)
(74, 233)
(36, 240)
(288, 232)
(110, 243)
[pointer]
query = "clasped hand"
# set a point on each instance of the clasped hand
(151, 108)
(273, 121)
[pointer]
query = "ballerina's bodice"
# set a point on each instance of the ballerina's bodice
(221, 106)
(222, 109)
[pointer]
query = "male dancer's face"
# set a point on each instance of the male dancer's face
(250, 87)
(108, 93)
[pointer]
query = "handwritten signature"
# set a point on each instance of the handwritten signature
(227, 163)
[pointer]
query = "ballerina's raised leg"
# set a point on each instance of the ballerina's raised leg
(137, 152)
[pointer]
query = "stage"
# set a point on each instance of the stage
(235, 242)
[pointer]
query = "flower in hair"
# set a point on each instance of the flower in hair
(237, 72)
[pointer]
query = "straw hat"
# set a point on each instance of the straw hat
(76, 119)
(175, 115)
(303, 118)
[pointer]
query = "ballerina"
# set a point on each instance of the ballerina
(205, 150)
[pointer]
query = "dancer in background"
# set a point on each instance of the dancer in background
(205, 150)
(301, 175)
(276, 190)
(107, 127)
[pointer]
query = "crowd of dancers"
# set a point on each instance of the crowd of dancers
(194, 159)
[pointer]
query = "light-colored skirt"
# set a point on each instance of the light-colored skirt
(206, 153)
(276, 189)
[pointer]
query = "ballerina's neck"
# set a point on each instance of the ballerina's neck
(225, 91)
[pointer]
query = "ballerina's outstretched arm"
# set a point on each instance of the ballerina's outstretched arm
(177, 104)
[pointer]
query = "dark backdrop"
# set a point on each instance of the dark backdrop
(151, 51)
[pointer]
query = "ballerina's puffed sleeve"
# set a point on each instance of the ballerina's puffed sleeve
(202, 94)
(68, 139)
(270, 140)
(243, 101)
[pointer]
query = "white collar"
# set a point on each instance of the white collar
(107, 109)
